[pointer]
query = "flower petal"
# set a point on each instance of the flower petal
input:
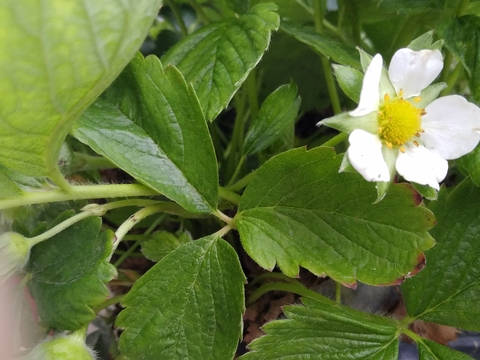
(369, 96)
(452, 127)
(412, 71)
(420, 165)
(365, 155)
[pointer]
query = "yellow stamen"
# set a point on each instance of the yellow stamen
(417, 99)
(398, 121)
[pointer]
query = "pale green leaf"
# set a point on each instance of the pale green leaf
(218, 58)
(299, 211)
(322, 330)
(150, 124)
(447, 290)
(350, 80)
(68, 274)
(56, 58)
(276, 115)
(188, 306)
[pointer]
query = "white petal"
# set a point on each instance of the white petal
(369, 96)
(412, 71)
(452, 127)
(365, 155)
(422, 166)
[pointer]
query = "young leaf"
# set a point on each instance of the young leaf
(150, 124)
(350, 80)
(299, 211)
(218, 58)
(68, 273)
(320, 330)
(471, 163)
(323, 44)
(276, 114)
(430, 350)
(447, 291)
(69, 53)
(188, 306)
(462, 38)
(161, 244)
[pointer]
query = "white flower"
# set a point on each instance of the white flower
(397, 126)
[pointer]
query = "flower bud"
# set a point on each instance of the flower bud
(14, 251)
(64, 347)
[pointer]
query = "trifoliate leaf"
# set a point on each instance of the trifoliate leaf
(299, 211)
(150, 124)
(276, 114)
(218, 58)
(188, 306)
(57, 57)
(322, 330)
(162, 243)
(68, 273)
(447, 291)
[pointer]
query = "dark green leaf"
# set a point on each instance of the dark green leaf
(68, 273)
(409, 6)
(296, 10)
(462, 38)
(218, 58)
(188, 306)
(57, 57)
(162, 243)
(471, 163)
(321, 330)
(430, 350)
(299, 211)
(151, 126)
(323, 44)
(447, 291)
(276, 115)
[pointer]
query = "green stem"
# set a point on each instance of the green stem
(338, 292)
(229, 195)
(226, 219)
(251, 84)
(112, 301)
(447, 64)
(293, 287)
(236, 144)
(336, 140)
(200, 13)
(327, 69)
(78, 193)
(271, 275)
(132, 221)
(240, 184)
(126, 254)
(178, 17)
(452, 79)
(237, 170)
(60, 227)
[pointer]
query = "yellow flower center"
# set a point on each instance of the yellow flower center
(399, 121)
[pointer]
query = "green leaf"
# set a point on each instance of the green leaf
(299, 211)
(8, 186)
(471, 163)
(426, 191)
(425, 42)
(447, 291)
(218, 58)
(57, 57)
(296, 10)
(188, 306)
(430, 350)
(462, 38)
(68, 273)
(409, 7)
(162, 243)
(276, 114)
(321, 330)
(350, 81)
(150, 124)
(323, 44)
